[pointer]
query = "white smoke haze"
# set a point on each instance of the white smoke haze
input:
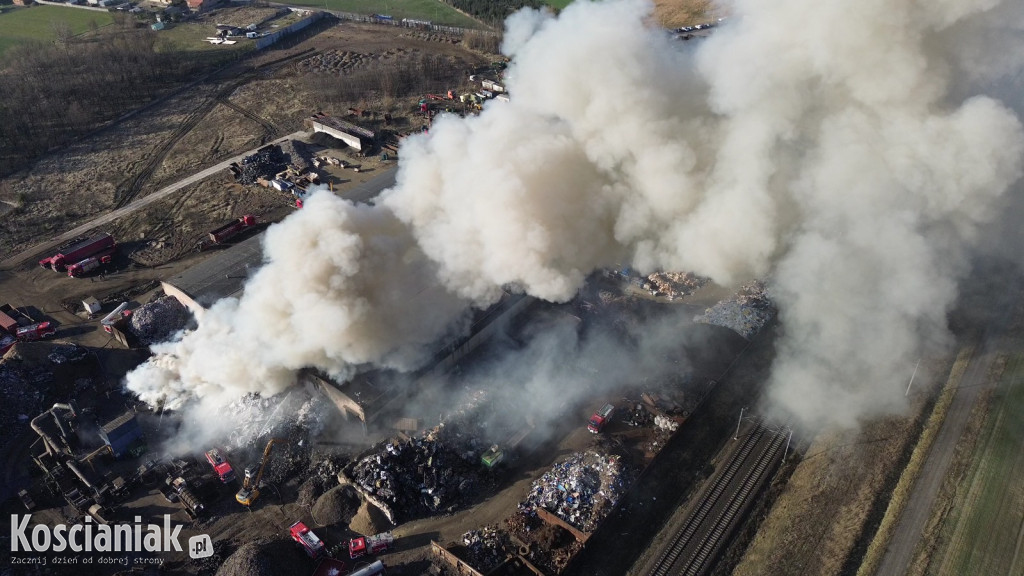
(818, 145)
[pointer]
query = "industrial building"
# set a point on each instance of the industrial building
(124, 436)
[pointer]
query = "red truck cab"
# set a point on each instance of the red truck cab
(370, 544)
(600, 418)
(309, 541)
(220, 466)
(36, 331)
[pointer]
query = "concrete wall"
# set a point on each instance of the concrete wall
(345, 404)
(345, 137)
(264, 41)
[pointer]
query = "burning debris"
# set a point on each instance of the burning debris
(746, 313)
(486, 548)
(419, 476)
(674, 284)
(158, 320)
(581, 489)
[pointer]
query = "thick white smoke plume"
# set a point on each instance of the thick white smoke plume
(816, 144)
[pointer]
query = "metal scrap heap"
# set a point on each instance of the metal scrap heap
(581, 489)
(486, 548)
(158, 320)
(674, 284)
(746, 313)
(419, 476)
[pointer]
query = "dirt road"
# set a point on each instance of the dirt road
(164, 192)
(910, 527)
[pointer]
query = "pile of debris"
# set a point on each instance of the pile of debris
(638, 416)
(159, 320)
(486, 548)
(674, 284)
(550, 547)
(337, 506)
(581, 489)
(67, 354)
(666, 423)
(22, 390)
(296, 155)
(746, 313)
(264, 163)
(417, 477)
(266, 558)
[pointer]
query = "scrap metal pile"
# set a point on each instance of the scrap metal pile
(674, 284)
(486, 548)
(746, 313)
(428, 474)
(21, 390)
(158, 320)
(419, 476)
(581, 489)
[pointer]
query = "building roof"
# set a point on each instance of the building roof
(220, 276)
(123, 420)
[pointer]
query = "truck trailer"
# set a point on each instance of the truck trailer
(228, 230)
(83, 267)
(78, 252)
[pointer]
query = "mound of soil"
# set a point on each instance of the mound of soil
(369, 520)
(275, 558)
(337, 506)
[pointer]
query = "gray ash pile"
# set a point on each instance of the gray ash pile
(581, 489)
(746, 313)
(487, 547)
(337, 506)
(296, 154)
(158, 320)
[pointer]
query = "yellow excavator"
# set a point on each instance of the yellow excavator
(251, 484)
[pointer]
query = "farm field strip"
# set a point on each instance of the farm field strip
(430, 10)
(988, 523)
(19, 25)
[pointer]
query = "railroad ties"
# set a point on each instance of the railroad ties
(696, 544)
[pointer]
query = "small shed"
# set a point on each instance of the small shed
(124, 436)
(92, 305)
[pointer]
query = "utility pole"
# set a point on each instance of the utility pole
(907, 393)
(738, 422)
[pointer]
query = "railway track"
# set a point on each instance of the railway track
(695, 545)
(131, 187)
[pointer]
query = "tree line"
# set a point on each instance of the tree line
(52, 93)
(493, 12)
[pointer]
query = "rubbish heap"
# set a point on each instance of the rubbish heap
(67, 354)
(581, 489)
(264, 163)
(666, 423)
(746, 313)
(486, 548)
(158, 320)
(22, 392)
(674, 284)
(418, 476)
(638, 416)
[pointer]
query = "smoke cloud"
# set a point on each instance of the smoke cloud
(842, 153)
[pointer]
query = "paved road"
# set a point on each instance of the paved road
(109, 217)
(910, 527)
(369, 189)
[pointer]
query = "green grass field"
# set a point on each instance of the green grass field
(984, 530)
(184, 37)
(432, 10)
(25, 24)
